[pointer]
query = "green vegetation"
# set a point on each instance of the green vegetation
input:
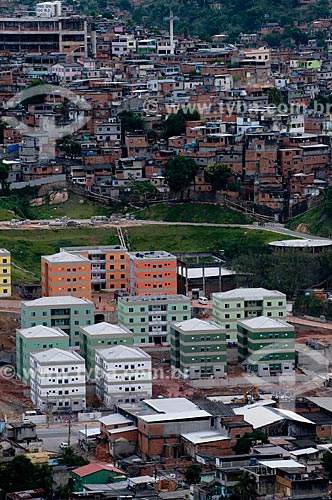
(176, 123)
(218, 175)
(18, 206)
(244, 443)
(246, 488)
(200, 18)
(193, 474)
(130, 122)
(179, 173)
(6, 214)
(70, 458)
(327, 463)
(27, 246)
(311, 306)
(178, 238)
(76, 207)
(20, 474)
(192, 212)
(282, 271)
(316, 221)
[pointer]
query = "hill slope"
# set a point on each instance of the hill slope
(315, 221)
(208, 17)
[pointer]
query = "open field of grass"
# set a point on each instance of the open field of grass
(315, 221)
(76, 207)
(27, 246)
(191, 212)
(6, 214)
(178, 238)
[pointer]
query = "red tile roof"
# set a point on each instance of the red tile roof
(86, 470)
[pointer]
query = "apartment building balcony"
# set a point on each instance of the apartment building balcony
(98, 279)
(95, 267)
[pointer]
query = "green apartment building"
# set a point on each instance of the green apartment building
(67, 313)
(266, 346)
(245, 303)
(149, 317)
(100, 336)
(34, 339)
(198, 349)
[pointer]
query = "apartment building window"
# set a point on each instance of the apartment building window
(269, 314)
(238, 305)
(226, 316)
(269, 304)
(226, 306)
(280, 304)
(280, 313)
(131, 309)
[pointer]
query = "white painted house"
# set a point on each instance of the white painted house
(123, 375)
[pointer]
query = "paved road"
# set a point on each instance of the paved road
(278, 228)
(57, 433)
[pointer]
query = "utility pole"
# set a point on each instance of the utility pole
(69, 429)
(86, 441)
(48, 411)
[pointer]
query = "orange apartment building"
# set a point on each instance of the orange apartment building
(108, 265)
(64, 273)
(148, 272)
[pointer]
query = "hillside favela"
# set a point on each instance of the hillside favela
(166, 250)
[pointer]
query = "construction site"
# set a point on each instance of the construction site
(312, 376)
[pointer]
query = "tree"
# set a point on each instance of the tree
(69, 147)
(20, 473)
(4, 171)
(218, 175)
(327, 463)
(193, 474)
(130, 122)
(176, 123)
(327, 199)
(244, 443)
(179, 173)
(245, 489)
(70, 458)
(275, 96)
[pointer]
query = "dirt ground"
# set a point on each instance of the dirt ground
(8, 327)
(14, 398)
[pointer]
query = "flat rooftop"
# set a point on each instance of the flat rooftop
(248, 294)
(314, 243)
(151, 255)
(154, 298)
(65, 300)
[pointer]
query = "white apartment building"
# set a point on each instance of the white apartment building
(57, 380)
(123, 375)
